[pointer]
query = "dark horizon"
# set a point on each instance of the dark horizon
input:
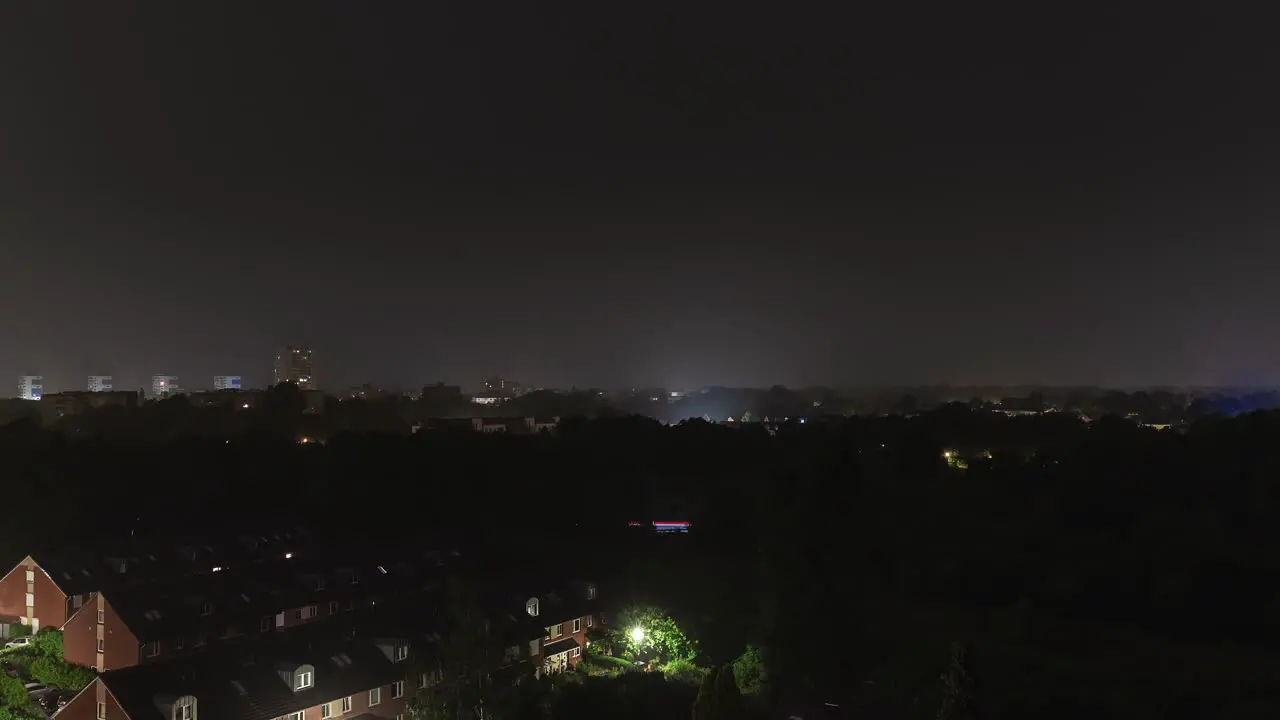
(669, 197)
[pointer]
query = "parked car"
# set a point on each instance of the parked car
(20, 642)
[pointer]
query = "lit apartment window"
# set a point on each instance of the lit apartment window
(325, 712)
(375, 696)
(102, 711)
(531, 607)
(577, 625)
(346, 704)
(151, 649)
(304, 680)
(102, 616)
(397, 689)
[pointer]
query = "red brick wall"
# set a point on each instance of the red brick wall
(581, 637)
(388, 708)
(84, 706)
(50, 602)
(13, 589)
(80, 637)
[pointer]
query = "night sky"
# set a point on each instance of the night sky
(616, 194)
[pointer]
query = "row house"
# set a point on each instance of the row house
(567, 617)
(147, 623)
(47, 588)
(301, 676)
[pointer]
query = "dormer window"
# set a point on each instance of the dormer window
(303, 679)
(402, 653)
(185, 708)
(531, 607)
(591, 591)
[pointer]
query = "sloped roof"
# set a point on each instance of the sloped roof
(245, 683)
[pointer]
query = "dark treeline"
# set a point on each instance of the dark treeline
(1103, 568)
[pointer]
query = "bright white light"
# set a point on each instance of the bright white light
(217, 569)
(637, 635)
(288, 556)
(245, 406)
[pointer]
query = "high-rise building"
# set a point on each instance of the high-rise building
(226, 382)
(503, 388)
(99, 383)
(163, 386)
(30, 387)
(294, 366)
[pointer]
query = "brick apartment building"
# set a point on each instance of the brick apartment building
(309, 675)
(566, 617)
(170, 609)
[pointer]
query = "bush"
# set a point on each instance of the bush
(48, 643)
(59, 674)
(12, 695)
(684, 671)
(749, 671)
(604, 665)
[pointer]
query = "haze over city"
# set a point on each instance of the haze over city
(432, 194)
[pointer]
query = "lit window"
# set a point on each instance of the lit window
(397, 689)
(532, 607)
(304, 681)
(375, 696)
